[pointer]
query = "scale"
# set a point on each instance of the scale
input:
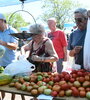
(22, 35)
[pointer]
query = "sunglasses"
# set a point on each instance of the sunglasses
(34, 35)
(79, 20)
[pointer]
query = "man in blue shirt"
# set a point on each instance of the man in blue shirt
(8, 42)
(76, 41)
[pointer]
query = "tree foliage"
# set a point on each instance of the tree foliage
(60, 9)
(15, 21)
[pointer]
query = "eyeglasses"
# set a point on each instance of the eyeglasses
(79, 20)
(34, 35)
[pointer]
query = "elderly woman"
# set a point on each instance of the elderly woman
(42, 52)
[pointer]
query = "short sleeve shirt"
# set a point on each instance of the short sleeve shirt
(10, 55)
(59, 41)
(77, 39)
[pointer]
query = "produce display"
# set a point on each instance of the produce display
(76, 83)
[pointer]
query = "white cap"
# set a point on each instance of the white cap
(2, 16)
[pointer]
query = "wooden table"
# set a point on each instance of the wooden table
(14, 91)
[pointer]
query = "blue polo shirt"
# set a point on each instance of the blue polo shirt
(10, 55)
(77, 39)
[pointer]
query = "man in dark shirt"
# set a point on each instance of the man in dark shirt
(76, 41)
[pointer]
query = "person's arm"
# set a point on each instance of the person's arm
(12, 46)
(50, 50)
(70, 47)
(64, 43)
(25, 48)
(65, 53)
(72, 53)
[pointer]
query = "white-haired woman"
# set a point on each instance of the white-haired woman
(42, 52)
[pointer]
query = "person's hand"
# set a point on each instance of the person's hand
(35, 57)
(65, 58)
(77, 49)
(1, 42)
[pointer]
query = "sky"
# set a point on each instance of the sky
(34, 8)
(85, 3)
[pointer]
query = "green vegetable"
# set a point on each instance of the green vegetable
(88, 95)
(5, 79)
(39, 78)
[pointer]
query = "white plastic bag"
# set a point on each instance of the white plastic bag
(76, 67)
(21, 66)
(73, 65)
(70, 65)
(87, 48)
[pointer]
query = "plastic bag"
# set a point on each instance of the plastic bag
(70, 65)
(20, 67)
(75, 66)
(87, 48)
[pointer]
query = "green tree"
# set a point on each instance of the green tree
(15, 20)
(60, 9)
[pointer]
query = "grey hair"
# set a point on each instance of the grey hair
(83, 11)
(37, 29)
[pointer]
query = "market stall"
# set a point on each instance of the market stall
(7, 89)
(13, 91)
(62, 86)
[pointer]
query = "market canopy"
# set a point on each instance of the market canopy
(4, 3)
